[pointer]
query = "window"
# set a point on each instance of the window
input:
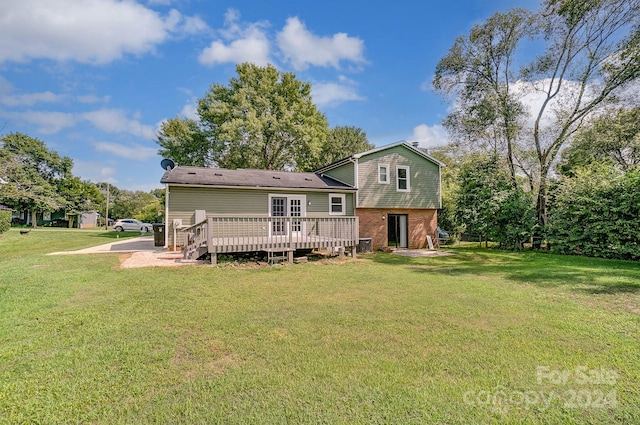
(402, 181)
(337, 204)
(383, 173)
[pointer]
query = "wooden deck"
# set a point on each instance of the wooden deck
(224, 234)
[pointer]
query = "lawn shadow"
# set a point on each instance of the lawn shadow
(115, 236)
(578, 274)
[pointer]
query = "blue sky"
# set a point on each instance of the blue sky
(94, 79)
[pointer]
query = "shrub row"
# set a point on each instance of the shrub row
(597, 213)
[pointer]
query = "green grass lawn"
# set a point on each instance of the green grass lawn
(479, 337)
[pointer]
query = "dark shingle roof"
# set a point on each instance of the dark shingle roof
(251, 178)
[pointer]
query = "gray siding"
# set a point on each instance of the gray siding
(183, 201)
(424, 180)
(343, 174)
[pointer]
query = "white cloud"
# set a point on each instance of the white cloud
(429, 136)
(97, 31)
(47, 122)
(136, 152)
(190, 109)
(253, 48)
(302, 48)
(333, 93)
(427, 85)
(9, 97)
(116, 121)
(241, 43)
(90, 98)
(5, 85)
(107, 120)
(30, 99)
(94, 171)
(193, 25)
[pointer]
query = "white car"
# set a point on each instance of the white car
(131, 225)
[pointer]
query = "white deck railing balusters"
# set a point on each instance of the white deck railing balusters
(220, 234)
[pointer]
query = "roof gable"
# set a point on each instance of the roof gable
(402, 143)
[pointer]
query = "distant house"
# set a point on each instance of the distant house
(47, 218)
(389, 194)
(398, 193)
(58, 218)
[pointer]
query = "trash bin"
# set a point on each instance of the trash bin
(364, 245)
(158, 234)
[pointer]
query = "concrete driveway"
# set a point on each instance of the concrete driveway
(143, 253)
(142, 243)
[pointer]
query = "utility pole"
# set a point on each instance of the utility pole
(106, 213)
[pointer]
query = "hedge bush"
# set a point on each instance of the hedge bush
(5, 220)
(597, 213)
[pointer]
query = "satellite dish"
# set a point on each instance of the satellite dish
(167, 164)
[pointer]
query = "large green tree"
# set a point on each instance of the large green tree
(263, 119)
(613, 138)
(134, 204)
(342, 142)
(479, 71)
(79, 196)
(182, 140)
(590, 55)
(33, 174)
(488, 205)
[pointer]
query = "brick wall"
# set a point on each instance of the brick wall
(421, 222)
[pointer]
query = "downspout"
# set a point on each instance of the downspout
(440, 185)
(166, 216)
(355, 180)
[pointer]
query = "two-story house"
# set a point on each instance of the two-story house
(389, 194)
(398, 193)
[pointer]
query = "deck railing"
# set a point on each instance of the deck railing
(222, 234)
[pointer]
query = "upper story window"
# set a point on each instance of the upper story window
(402, 180)
(383, 173)
(337, 205)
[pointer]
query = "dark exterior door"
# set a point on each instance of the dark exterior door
(397, 230)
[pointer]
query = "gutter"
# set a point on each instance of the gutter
(265, 188)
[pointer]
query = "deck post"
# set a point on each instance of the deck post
(209, 232)
(214, 258)
(290, 256)
(356, 235)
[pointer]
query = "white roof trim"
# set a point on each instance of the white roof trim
(333, 165)
(265, 188)
(400, 143)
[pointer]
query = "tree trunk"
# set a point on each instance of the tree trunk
(512, 167)
(34, 219)
(541, 203)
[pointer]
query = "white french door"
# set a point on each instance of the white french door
(287, 205)
(278, 209)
